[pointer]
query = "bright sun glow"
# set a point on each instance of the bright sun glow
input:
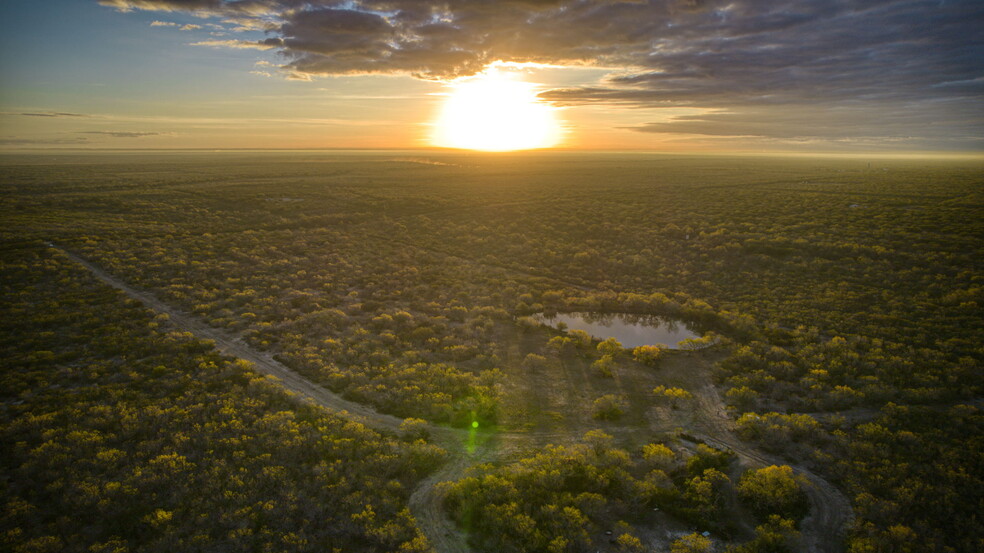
(495, 112)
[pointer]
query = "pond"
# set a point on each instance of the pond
(630, 330)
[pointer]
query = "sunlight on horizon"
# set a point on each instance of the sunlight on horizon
(495, 112)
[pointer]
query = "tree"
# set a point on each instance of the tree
(608, 407)
(692, 543)
(609, 346)
(648, 355)
(627, 543)
(742, 397)
(563, 345)
(671, 395)
(706, 458)
(605, 366)
(774, 490)
(414, 429)
(581, 338)
(777, 535)
(707, 493)
(659, 456)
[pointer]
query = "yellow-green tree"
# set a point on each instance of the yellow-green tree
(672, 395)
(609, 346)
(691, 543)
(648, 355)
(774, 490)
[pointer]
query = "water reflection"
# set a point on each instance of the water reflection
(630, 330)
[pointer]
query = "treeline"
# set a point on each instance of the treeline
(120, 434)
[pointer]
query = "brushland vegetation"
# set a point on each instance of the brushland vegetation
(845, 303)
(560, 499)
(122, 435)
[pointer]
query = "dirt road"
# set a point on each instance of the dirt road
(822, 531)
(830, 511)
(424, 502)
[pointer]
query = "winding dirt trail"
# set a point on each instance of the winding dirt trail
(822, 530)
(233, 345)
(425, 504)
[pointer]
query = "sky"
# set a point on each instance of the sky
(892, 76)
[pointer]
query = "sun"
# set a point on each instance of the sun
(495, 111)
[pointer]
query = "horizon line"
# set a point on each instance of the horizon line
(914, 154)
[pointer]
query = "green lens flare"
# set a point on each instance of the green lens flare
(474, 424)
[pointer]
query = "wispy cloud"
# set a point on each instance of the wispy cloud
(52, 114)
(298, 76)
(198, 7)
(123, 134)
(185, 27)
(240, 24)
(239, 44)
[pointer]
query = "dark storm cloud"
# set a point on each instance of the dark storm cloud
(736, 55)
(887, 51)
(443, 39)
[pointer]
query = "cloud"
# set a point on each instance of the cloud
(52, 114)
(198, 7)
(297, 76)
(801, 122)
(672, 49)
(690, 42)
(436, 39)
(186, 27)
(743, 57)
(123, 134)
(241, 24)
(239, 44)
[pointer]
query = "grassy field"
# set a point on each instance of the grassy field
(845, 296)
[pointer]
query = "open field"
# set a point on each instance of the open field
(845, 296)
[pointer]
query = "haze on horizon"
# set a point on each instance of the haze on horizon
(889, 76)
